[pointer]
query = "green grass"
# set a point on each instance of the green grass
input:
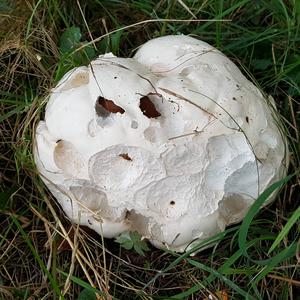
(43, 256)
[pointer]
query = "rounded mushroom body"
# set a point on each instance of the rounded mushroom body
(175, 143)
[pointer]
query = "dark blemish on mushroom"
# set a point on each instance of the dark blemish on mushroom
(148, 108)
(104, 107)
(134, 124)
(127, 214)
(89, 221)
(115, 77)
(247, 119)
(125, 156)
(233, 98)
(172, 202)
(173, 102)
(176, 237)
(58, 141)
(232, 207)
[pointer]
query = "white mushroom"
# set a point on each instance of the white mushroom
(175, 143)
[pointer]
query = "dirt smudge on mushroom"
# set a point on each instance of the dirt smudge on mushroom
(67, 158)
(125, 156)
(138, 222)
(77, 81)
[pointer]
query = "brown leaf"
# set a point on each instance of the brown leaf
(125, 156)
(148, 108)
(218, 295)
(104, 107)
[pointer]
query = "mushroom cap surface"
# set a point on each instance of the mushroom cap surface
(175, 143)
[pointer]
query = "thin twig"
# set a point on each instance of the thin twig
(86, 25)
(290, 281)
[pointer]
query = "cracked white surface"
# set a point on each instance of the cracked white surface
(178, 170)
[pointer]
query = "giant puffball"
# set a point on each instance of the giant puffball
(175, 143)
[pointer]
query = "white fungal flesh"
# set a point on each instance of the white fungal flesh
(175, 143)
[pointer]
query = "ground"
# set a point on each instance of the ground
(44, 256)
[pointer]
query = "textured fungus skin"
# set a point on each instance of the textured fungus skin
(175, 143)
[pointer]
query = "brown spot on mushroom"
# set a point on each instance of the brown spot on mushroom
(104, 107)
(125, 156)
(233, 208)
(67, 158)
(148, 108)
(247, 119)
(138, 222)
(127, 214)
(172, 202)
(77, 80)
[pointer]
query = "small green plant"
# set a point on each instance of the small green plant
(4, 199)
(133, 241)
(70, 39)
(87, 295)
(71, 53)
